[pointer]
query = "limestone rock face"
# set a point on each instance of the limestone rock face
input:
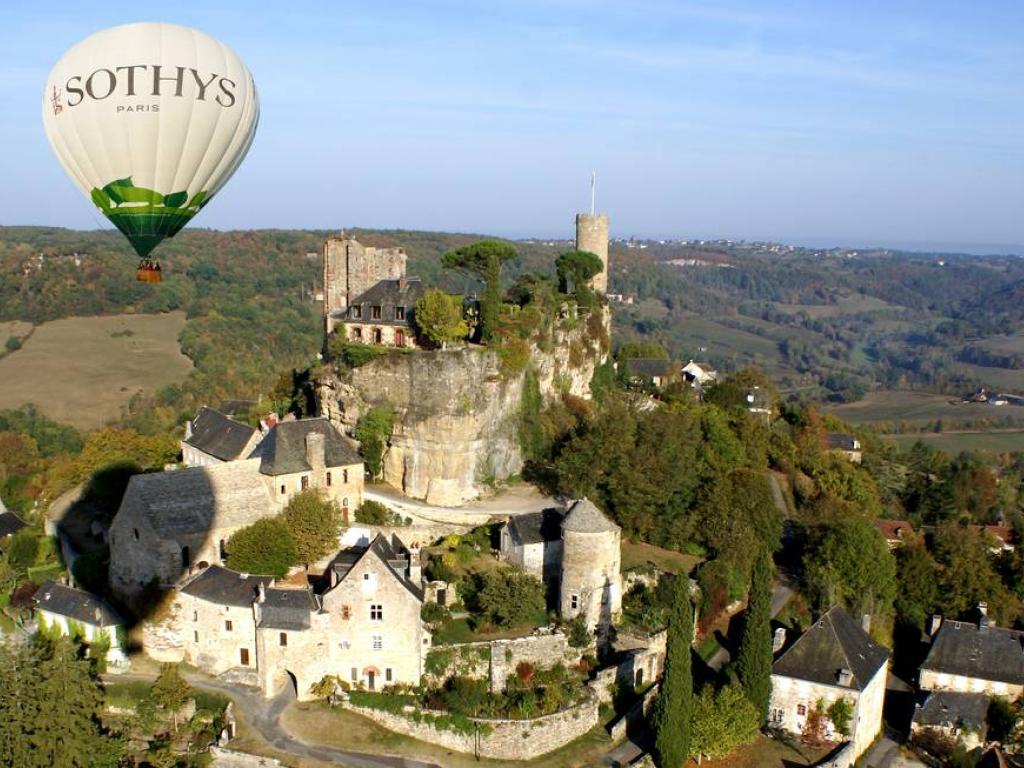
(457, 412)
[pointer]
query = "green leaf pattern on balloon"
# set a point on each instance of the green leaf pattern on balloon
(146, 216)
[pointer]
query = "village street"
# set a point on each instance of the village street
(263, 717)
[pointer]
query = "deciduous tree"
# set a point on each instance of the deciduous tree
(314, 523)
(265, 547)
(438, 316)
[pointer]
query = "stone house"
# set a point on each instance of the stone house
(213, 438)
(10, 524)
(961, 716)
(170, 522)
(311, 453)
(699, 374)
(653, 370)
(362, 623)
(218, 627)
(533, 542)
(844, 445)
(834, 659)
(351, 269)
(591, 578)
(974, 657)
(72, 610)
(384, 314)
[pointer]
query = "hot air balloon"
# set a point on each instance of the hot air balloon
(150, 120)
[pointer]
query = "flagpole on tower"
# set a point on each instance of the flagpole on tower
(593, 191)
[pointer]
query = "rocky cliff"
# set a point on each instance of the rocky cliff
(457, 425)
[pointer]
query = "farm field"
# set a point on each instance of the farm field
(742, 346)
(1000, 379)
(915, 407)
(1009, 345)
(846, 305)
(83, 370)
(1000, 441)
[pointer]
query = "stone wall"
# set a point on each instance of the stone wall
(497, 659)
(458, 413)
(507, 739)
(229, 758)
(351, 268)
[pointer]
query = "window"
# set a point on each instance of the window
(387, 675)
(378, 642)
(801, 709)
(357, 333)
(245, 657)
(574, 602)
(344, 479)
(346, 613)
(376, 613)
(283, 489)
(284, 639)
(357, 312)
(195, 615)
(327, 479)
(195, 635)
(375, 313)
(223, 550)
(399, 313)
(355, 674)
(366, 577)
(228, 626)
(377, 337)
(135, 531)
(305, 482)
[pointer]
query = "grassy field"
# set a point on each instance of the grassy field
(83, 370)
(1007, 345)
(1000, 379)
(765, 752)
(319, 724)
(915, 407)
(955, 442)
(846, 305)
(637, 553)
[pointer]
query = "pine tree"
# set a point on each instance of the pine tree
(171, 691)
(66, 731)
(671, 720)
(754, 665)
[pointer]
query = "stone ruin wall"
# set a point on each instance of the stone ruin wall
(458, 414)
(497, 659)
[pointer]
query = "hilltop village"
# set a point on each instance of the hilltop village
(379, 553)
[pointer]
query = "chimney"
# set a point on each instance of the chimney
(845, 677)
(401, 283)
(983, 620)
(334, 577)
(316, 456)
(865, 622)
(98, 614)
(415, 564)
(262, 590)
(933, 624)
(778, 639)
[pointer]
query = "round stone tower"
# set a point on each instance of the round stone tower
(591, 583)
(592, 235)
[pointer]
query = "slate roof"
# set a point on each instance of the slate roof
(835, 642)
(986, 653)
(83, 607)
(536, 527)
(187, 501)
(219, 436)
(381, 548)
(226, 587)
(840, 441)
(288, 609)
(584, 517)
(388, 294)
(951, 708)
(9, 522)
(283, 449)
(650, 367)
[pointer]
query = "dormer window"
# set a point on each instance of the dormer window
(357, 312)
(375, 313)
(399, 313)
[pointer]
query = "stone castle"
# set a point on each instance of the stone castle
(458, 410)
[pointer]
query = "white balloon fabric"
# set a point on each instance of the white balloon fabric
(150, 120)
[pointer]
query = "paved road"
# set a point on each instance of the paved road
(887, 754)
(517, 500)
(782, 593)
(264, 717)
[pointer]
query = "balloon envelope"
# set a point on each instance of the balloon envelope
(150, 120)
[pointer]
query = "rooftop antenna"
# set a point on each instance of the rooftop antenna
(593, 190)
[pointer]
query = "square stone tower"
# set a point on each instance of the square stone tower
(592, 236)
(351, 269)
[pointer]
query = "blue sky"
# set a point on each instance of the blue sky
(826, 122)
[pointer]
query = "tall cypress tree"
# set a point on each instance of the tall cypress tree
(671, 720)
(754, 665)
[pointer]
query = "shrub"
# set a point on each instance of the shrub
(432, 613)
(354, 355)
(374, 513)
(372, 432)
